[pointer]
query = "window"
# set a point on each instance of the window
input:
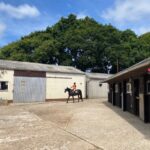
(148, 87)
(128, 86)
(3, 85)
(116, 88)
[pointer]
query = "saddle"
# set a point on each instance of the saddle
(74, 92)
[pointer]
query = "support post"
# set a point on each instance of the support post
(122, 96)
(141, 99)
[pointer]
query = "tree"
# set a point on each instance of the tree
(82, 43)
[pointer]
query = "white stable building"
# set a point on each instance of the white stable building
(34, 82)
(95, 89)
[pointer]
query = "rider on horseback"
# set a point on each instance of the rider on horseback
(74, 87)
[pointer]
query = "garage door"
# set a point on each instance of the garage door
(29, 89)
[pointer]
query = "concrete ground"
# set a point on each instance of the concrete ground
(88, 125)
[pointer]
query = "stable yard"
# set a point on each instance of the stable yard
(88, 125)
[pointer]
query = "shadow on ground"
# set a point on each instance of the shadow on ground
(135, 121)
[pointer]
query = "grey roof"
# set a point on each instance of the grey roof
(98, 75)
(17, 65)
(144, 63)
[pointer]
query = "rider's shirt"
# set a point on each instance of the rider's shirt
(74, 87)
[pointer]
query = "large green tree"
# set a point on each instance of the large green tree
(83, 43)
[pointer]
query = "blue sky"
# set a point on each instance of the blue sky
(20, 17)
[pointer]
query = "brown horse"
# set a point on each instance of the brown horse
(74, 93)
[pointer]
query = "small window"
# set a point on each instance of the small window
(128, 86)
(116, 88)
(148, 87)
(3, 85)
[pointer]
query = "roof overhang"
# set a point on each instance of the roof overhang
(135, 70)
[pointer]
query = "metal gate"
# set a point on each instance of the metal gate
(29, 89)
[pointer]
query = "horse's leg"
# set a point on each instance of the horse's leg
(81, 98)
(68, 98)
(73, 98)
(78, 97)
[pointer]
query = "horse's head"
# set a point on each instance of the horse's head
(67, 90)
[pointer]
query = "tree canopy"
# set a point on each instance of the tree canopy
(82, 43)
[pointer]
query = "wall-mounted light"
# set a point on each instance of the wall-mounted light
(100, 84)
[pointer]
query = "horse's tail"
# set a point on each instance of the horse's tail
(81, 94)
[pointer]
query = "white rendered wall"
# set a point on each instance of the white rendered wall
(96, 91)
(57, 82)
(7, 75)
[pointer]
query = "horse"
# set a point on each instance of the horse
(72, 93)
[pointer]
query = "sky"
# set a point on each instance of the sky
(21, 17)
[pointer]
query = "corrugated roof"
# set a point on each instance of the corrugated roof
(18, 65)
(144, 63)
(98, 75)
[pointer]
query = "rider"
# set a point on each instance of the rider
(74, 87)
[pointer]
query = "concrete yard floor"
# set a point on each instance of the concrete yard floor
(88, 125)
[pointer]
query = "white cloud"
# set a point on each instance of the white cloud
(19, 12)
(142, 30)
(2, 29)
(81, 15)
(128, 11)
